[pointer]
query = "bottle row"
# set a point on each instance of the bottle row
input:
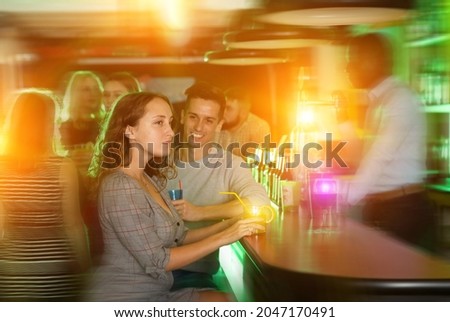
(431, 19)
(288, 188)
(433, 83)
(270, 170)
(439, 155)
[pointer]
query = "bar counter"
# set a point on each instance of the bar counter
(292, 262)
(439, 193)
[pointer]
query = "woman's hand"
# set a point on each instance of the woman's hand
(242, 228)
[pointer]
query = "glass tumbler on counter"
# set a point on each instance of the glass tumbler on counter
(266, 213)
(324, 211)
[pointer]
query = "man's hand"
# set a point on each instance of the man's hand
(190, 212)
(187, 211)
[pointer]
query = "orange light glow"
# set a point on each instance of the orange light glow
(175, 13)
(2, 141)
(305, 116)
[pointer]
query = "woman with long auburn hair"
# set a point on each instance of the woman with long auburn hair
(145, 238)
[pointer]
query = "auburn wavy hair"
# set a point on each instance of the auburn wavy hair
(112, 149)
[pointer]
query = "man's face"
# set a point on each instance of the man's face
(360, 68)
(231, 115)
(201, 120)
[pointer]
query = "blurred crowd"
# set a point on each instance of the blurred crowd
(53, 233)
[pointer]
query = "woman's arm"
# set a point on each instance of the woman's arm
(188, 253)
(194, 235)
(123, 206)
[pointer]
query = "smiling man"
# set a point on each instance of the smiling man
(205, 170)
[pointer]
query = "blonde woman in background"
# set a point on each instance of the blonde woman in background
(82, 108)
(82, 114)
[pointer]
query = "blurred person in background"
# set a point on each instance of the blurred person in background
(82, 108)
(81, 117)
(240, 125)
(114, 86)
(145, 238)
(389, 183)
(117, 84)
(43, 247)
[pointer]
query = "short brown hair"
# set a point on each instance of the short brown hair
(208, 92)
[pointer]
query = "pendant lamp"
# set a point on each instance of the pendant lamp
(244, 57)
(335, 12)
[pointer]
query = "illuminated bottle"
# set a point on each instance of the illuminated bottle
(277, 193)
(264, 170)
(285, 175)
(276, 181)
(256, 164)
(271, 184)
(260, 167)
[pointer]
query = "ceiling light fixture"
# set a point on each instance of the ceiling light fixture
(277, 39)
(335, 12)
(242, 57)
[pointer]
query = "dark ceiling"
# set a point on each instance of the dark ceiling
(142, 33)
(125, 34)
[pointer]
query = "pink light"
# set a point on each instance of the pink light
(325, 186)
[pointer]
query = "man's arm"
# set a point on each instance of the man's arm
(238, 179)
(190, 212)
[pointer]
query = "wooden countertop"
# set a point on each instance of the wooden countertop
(353, 251)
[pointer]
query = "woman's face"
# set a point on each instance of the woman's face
(86, 96)
(153, 133)
(112, 91)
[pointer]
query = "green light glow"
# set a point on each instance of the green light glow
(232, 262)
(445, 108)
(429, 41)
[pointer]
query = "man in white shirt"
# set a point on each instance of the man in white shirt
(388, 184)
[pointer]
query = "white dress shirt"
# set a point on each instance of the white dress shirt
(394, 139)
